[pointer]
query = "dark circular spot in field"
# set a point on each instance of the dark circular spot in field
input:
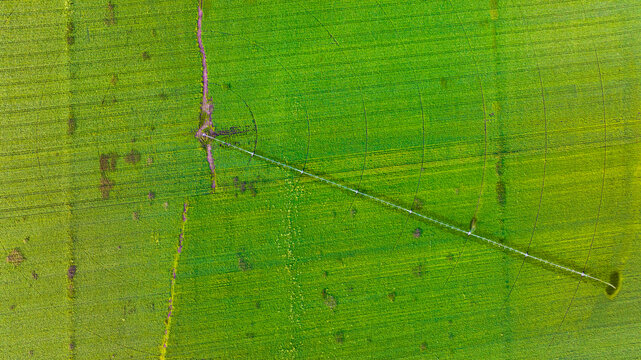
(243, 264)
(392, 296)
(418, 270)
(133, 157)
(615, 279)
(71, 272)
(15, 257)
(110, 17)
(418, 203)
(71, 125)
(108, 161)
(105, 187)
(70, 291)
(70, 38)
(500, 192)
(330, 301)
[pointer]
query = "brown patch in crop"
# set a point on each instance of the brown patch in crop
(15, 257)
(391, 296)
(106, 101)
(132, 157)
(243, 264)
(500, 192)
(128, 309)
(108, 161)
(71, 272)
(418, 204)
(418, 271)
(69, 34)
(145, 56)
(244, 186)
(110, 18)
(494, 9)
(71, 125)
(330, 301)
(105, 187)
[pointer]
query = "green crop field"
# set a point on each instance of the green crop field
(430, 179)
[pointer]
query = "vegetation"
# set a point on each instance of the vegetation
(517, 121)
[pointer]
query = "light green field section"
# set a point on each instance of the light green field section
(98, 157)
(36, 178)
(520, 117)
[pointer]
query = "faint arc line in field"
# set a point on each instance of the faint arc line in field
(291, 76)
(478, 202)
(598, 212)
(605, 154)
(545, 157)
(360, 88)
(420, 170)
(420, 99)
(506, 248)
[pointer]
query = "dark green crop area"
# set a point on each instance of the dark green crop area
(517, 120)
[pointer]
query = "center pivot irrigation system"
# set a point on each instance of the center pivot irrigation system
(497, 244)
